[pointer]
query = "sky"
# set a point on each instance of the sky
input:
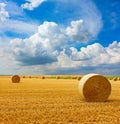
(59, 37)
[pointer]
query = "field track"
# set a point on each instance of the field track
(54, 101)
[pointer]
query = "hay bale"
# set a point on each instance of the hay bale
(79, 78)
(15, 79)
(110, 78)
(74, 77)
(23, 77)
(115, 79)
(119, 78)
(30, 77)
(94, 88)
(58, 77)
(43, 77)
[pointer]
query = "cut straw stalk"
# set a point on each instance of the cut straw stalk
(94, 88)
(15, 79)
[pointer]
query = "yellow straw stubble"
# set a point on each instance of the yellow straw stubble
(15, 79)
(94, 88)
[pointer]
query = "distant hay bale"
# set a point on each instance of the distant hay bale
(94, 88)
(43, 77)
(115, 79)
(23, 77)
(15, 79)
(110, 78)
(74, 77)
(58, 77)
(118, 78)
(79, 78)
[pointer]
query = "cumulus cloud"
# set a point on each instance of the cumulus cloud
(3, 13)
(87, 21)
(114, 52)
(31, 4)
(78, 32)
(47, 49)
(42, 47)
(51, 44)
(96, 54)
(44, 59)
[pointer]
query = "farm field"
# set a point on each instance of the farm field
(54, 101)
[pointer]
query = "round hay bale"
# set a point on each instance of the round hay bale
(119, 78)
(79, 78)
(115, 79)
(74, 77)
(15, 79)
(58, 77)
(43, 77)
(94, 88)
(110, 78)
(23, 77)
(29, 76)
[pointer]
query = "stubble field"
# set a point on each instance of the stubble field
(54, 101)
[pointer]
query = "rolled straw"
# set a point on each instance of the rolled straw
(115, 79)
(94, 88)
(15, 79)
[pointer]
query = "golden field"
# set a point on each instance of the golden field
(54, 101)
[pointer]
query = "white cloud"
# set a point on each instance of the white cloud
(91, 16)
(14, 9)
(114, 52)
(8, 64)
(96, 54)
(31, 4)
(49, 50)
(3, 13)
(93, 58)
(12, 25)
(77, 32)
(51, 44)
(87, 19)
(19, 27)
(42, 47)
(52, 35)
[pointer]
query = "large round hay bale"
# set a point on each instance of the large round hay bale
(94, 88)
(15, 79)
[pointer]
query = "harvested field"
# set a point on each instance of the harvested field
(53, 101)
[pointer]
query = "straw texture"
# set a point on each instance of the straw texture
(94, 88)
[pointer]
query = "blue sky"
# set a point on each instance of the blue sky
(59, 37)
